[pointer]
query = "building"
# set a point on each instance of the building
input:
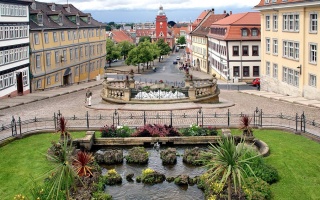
(67, 46)
(118, 36)
(14, 48)
(200, 40)
(290, 39)
(234, 47)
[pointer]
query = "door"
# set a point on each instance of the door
(19, 83)
(66, 80)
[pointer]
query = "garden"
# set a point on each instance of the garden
(37, 168)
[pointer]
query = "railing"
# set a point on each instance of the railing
(176, 118)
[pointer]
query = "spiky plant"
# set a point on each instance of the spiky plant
(83, 164)
(245, 125)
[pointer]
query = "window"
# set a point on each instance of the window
(39, 84)
(245, 50)
(86, 50)
(296, 51)
(291, 50)
(65, 55)
(313, 53)
(268, 68)
(312, 80)
(246, 72)
(290, 22)
(56, 78)
(55, 39)
(81, 51)
(69, 35)
(71, 53)
(56, 56)
(275, 22)
(255, 51)
(285, 74)
(275, 47)
(275, 70)
(76, 51)
(38, 61)
(25, 78)
(74, 35)
(46, 38)
(313, 23)
(256, 71)
(40, 19)
(84, 33)
(36, 38)
(267, 22)
(244, 32)
(268, 45)
(254, 32)
(1, 82)
(236, 71)
(48, 59)
(48, 80)
(291, 76)
(235, 50)
(62, 35)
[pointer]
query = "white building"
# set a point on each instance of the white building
(234, 47)
(14, 48)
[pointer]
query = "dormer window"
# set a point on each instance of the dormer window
(244, 32)
(89, 19)
(40, 19)
(254, 32)
(33, 6)
(53, 7)
(60, 19)
(77, 20)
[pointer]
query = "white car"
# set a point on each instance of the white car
(178, 58)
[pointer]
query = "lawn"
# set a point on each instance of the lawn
(295, 157)
(22, 159)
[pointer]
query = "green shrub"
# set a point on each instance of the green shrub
(256, 189)
(108, 131)
(123, 131)
(101, 196)
(195, 130)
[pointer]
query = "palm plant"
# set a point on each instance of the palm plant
(245, 125)
(226, 162)
(82, 164)
(62, 176)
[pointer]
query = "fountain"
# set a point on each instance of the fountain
(130, 91)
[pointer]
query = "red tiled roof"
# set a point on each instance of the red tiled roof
(121, 35)
(144, 32)
(204, 27)
(201, 17)
(235, 23)
(278, 2)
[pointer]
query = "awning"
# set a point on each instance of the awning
(67, 72)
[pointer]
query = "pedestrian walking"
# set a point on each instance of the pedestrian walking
(88, 97)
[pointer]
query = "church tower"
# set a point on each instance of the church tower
(161, 24)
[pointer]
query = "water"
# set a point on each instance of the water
(163, 191)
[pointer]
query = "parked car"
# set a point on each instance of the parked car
(256, 82)
(178, 58)
(175, 62)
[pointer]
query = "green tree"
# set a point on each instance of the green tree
(181, 40)
(226, 162)
(125, 47)
(140, 54)
(155, 52)
(163, 47)
(113, 51)
(144, 38)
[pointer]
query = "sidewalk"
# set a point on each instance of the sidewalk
(285, 98)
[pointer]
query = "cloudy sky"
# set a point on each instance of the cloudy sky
(141, 10)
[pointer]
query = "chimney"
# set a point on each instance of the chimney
(212, 10)
(230, 13)
(224, 12)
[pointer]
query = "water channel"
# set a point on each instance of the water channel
(163, 191)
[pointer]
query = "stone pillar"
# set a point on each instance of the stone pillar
(127, 94)
(192, 93)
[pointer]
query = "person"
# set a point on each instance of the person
(88, 97)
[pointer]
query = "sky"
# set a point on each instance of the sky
(146, 10)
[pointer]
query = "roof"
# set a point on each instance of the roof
(278, 2)
(177, 30)
(204, 27)
(121, 35)
(145, 32)
(200, 17)
(48, 23)
(230, 27)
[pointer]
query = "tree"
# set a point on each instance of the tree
(140, 54)
(155, 51)
(163, 47)
(144, 38)
(113, 51)
(125, 47)
(226, 162)
(181, 40)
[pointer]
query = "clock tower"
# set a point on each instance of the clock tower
(161, 24)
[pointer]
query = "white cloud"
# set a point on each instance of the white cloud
(154, 4)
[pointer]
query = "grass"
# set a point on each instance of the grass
(295, 157)
(23, 159)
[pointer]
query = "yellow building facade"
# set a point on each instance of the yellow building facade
(290, 42)
(66, 46)
(200, 52)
